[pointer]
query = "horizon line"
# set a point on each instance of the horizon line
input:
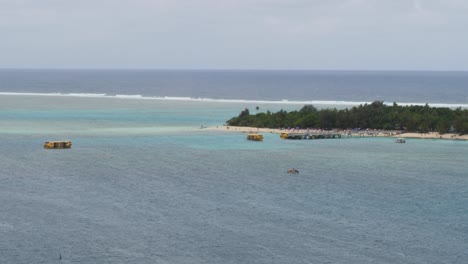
(229, 69)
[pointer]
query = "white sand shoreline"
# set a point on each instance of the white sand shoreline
(362, 133)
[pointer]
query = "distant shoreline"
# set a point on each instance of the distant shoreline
(362, 133)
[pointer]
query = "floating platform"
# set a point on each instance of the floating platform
(65, 144)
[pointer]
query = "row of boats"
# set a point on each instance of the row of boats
(259, 137)
(254, 137)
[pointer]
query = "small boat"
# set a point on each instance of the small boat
(400, 140)
(255, 137)
(65, 144)
(293, 171)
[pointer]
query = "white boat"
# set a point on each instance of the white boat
(400, 140)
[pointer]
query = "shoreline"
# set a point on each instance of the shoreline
(363, 133)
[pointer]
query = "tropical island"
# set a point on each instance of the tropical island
(374, 116)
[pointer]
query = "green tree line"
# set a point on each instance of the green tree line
(377, 115)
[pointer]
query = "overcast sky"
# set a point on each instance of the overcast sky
(235, 34)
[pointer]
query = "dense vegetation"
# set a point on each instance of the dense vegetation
(376, 115)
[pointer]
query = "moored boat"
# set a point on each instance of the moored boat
(255, 137)
(400, 140)
(65, 144)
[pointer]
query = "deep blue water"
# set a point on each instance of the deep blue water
(356, 86)
(143, 184)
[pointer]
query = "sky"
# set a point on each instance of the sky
(235, 34)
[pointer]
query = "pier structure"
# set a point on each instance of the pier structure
(375, 133)
(314, 135)
(367, 133)
(336, 134)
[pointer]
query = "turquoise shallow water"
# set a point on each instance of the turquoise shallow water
(143, 184)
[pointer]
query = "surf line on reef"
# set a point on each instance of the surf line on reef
(202, 99)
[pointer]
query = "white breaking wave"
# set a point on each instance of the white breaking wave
(125, 96)
(199, 99)
(56, 94)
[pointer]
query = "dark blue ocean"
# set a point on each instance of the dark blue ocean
(143, 183)
(346, 86)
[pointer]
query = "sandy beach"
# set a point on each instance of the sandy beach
(362, 133)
